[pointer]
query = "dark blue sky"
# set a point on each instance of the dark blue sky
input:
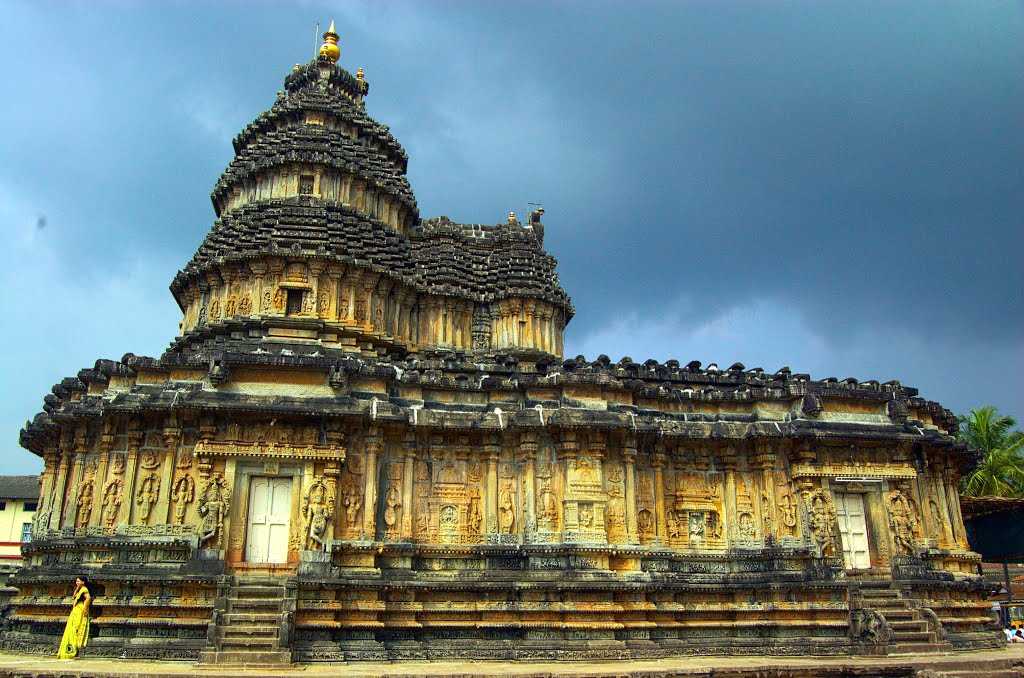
(837, 187)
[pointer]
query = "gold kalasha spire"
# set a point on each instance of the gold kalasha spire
(330, 50)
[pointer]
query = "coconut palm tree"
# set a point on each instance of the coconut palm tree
(1000, 473)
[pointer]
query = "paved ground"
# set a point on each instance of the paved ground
(22, 665)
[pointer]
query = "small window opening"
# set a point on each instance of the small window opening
(31, 505)
(306, 184)
(294, 305)
(522, 331)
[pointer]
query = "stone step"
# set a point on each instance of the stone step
(919, 648)
(917, 625)
(264, 658)
(913, 637)
(899, 614)
(240, 604)
(253, 642)
(259, 591)
(233, 618)
(249, 631)
(879, 593)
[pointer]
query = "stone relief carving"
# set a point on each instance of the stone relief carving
(902, 522)
(213, 506)
(317, 512)
(475, 517)
(788, 514)
(869, 626)
(85, 492)
(111, 503)
(184, 494)
(547, 514)
(149, 460)
(507, 510)
(392, 505)
(645, 524)
(149, 492)
(351, 499)
(117, 464)
(245, 306)
(822, 515)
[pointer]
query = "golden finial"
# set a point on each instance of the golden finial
(360, 75)
(330, 50)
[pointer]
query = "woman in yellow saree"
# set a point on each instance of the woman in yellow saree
(76, 633)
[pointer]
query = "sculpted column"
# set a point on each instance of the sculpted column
(60, 495)
(374, 443)
(491, 449)
(765, 462)
(730, 517)
(527, 457)
(409, 457)
(629, 466)
(658, 462)
(78, 470)
(106, 442)
(952, 481)
(947, 535)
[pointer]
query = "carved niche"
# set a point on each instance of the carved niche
(111, 503)
(822, 521)
(213, 507)
(184, 493)
(903, 522)
(615, 515)
(317, 513)
(147, 496)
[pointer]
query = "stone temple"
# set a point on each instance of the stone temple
(365, 443)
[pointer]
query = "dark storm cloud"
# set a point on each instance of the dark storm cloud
(854, 167)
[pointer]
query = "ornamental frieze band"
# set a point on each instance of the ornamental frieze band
(365, 443)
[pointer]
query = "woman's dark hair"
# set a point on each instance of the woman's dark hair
(85, 580)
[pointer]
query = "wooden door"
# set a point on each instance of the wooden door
(853, 531)
(270, 507)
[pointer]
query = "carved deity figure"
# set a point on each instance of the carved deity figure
(548, 507)
(149, 492)
(351, 499)
(746, 527)
(213, 506)
(787, 513)
(422, 516)
(902, 521)
(245, 306)
(317, 510)
(645, 523)
(672, 524)
(448, 520)
(822, 514)
(111, 503)
(933, 508)
(506, 511)
(697, 527)
(184, 494)
(149, 460)
(585, 469)
(475, 516)
(392, 504)
(84, 504)
(117, 464)
(586, 515)
(185, 460)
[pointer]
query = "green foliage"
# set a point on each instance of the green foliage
(1001, 470)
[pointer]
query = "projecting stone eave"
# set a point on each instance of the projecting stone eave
(656, 399)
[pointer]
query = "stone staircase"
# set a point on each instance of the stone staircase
(253, 626)
(914, 630)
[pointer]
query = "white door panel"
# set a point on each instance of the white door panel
(853, 531)
(269, 515)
